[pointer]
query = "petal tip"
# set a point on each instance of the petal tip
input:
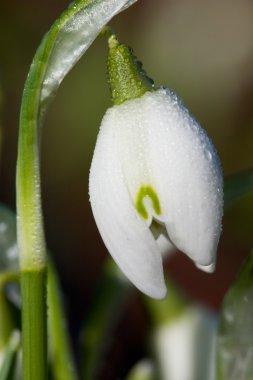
(158, 293)
(207, 268)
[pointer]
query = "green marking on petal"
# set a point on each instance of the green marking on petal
(147, 191)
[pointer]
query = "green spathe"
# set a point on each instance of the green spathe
(127, 78)
(147, 191)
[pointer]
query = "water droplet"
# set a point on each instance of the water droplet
(208, 154)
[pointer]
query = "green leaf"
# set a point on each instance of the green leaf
(235, 341)
(8, 240)
(61, 357)
(107, 307)
(8, 273)
(7, 319)
(8, 365)
(237, 186)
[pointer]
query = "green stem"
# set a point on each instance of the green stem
(34, 337)
(60, 49)
(31, 240)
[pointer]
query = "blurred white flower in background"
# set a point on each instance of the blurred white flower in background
(185, 346)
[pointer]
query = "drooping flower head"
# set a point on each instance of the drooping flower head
(155, 178)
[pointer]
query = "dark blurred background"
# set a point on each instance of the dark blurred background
(204, 51)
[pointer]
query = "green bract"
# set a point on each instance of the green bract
(127, 78)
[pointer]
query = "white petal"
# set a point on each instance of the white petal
(187, 176)
(165, 247)
(159, 232)
(126, 236)
(167, 149)
(206, 268)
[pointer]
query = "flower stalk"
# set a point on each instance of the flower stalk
(64, 44)
(34, 337)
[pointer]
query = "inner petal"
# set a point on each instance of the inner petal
(148, 206)
(147, 203)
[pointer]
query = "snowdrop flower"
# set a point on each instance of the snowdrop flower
(155, 178)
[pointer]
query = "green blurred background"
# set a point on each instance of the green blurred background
(204, 51)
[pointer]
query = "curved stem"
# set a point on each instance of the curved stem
(61, 48)
(31, 241)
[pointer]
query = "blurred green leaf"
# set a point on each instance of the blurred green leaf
(237, 186)
(8, 274)
(107, 307)
(61, 356)
(235, 340)
(8, 240)
(9, 360)
(7, 317)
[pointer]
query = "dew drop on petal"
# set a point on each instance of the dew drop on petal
(208, 154)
